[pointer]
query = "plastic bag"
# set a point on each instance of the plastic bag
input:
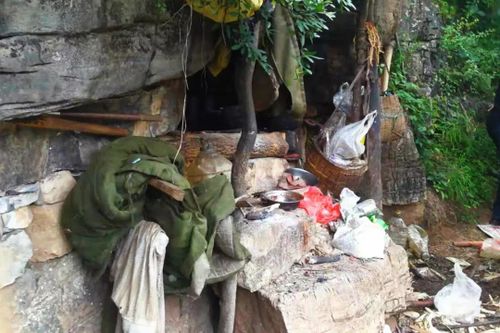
(461, 299)
(360, 238)
(348, 142)
(348, 200)
(321, 206)
(343, 98)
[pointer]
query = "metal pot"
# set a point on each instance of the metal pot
(288, 200)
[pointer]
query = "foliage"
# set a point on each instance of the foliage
(309, 17)
(457, 153)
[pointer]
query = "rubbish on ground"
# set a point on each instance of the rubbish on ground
(287, 200)
(420, 303)
(427, 273)
(367, 207)
(360, 238)
(295, 178)
(398, 231)
(261, 213)
(418, 241)
(491, 230)
(348, 142)
(378, 221)
(321, 206)
(314, 260)
(411, 314)
(490, 276)
(348, 200)
(461, 262)
(489, 248)
(460, 300)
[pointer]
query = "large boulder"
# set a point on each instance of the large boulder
(60, 54)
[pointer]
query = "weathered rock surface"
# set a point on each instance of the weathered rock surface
(55, 187)
(15, 251)
(420, 32)
(16, 219)
(347, 296)
(264, 173)
(57, 296)
(56, 55)
(187, 315)
(275, 244)
(47, 234)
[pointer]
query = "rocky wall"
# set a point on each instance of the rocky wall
(60, 54)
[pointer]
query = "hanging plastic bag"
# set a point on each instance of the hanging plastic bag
(460, 300)
(343, 98)
(348, 142)
(360, 238)
(321, 206)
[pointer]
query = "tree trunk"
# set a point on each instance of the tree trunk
(244, 76)
(373, 177)
(361, 56)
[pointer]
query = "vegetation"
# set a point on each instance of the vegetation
(457, 153)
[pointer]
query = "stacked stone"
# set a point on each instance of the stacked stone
(29, 224)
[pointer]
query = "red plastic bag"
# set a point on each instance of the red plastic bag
(321, 206)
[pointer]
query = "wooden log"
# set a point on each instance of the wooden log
(266, 145)
(55, 123)
(169, 189)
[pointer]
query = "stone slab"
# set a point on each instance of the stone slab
(56, 296)
(16, 219)
(18, 197)
(347, 296)
(55, 187)
(15, 251)
(275, 244)
(47, 234)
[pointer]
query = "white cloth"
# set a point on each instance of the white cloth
(137, 272)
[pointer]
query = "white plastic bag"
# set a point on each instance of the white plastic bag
(460, 300)
(347, 143)
(360, 238)
(348, 200)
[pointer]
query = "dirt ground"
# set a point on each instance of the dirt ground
(442, 232)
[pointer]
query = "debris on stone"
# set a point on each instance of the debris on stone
(459, 261)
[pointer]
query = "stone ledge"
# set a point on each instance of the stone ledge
(347, 296)
(275, 244)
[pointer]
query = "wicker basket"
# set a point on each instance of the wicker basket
(393, 124)
(331, 177)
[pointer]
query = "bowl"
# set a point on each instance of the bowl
(288, 200)
(308, 177)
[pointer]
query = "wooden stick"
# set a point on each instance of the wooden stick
(54, 123)
(421, 303)
(168, 188)
(477, 244)
(110, 116)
